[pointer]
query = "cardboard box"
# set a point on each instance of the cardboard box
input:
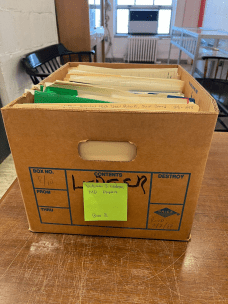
(164, 179)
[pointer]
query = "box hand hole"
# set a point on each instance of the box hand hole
(107, 151)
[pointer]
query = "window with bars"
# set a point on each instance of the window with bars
(164, 7)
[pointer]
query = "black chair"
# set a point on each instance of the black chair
(43, 62)
(217, 86)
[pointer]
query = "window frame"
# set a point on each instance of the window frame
(94, 7)
(154, 7)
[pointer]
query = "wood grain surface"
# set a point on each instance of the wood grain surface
(54, 268)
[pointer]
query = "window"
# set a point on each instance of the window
(164, 8)
(94, 14)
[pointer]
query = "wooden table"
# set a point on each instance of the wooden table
(50, 268)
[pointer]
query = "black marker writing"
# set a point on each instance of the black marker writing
(140, 182)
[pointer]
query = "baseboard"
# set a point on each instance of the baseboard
(110, 60)
(172, 61)
(162, 61)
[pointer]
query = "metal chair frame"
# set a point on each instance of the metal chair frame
(222, 86)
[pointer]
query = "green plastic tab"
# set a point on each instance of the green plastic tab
(61, 91)
(53, 97)
(105, 201)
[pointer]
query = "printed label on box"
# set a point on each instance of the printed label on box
(156, 200)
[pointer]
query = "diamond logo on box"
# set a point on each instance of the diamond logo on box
(166, 212)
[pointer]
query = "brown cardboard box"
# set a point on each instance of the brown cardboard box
(164, 179)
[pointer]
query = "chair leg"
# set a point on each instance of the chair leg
(34, 80)
(217, 66)
(222, 123)
(205, 68)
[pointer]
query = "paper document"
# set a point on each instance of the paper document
(168, 73)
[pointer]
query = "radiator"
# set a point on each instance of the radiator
(142, 49)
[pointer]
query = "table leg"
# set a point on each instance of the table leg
(212, 64)
(195, 56)
(169, 52)
(179, 57)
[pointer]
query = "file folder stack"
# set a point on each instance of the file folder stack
(89, 87)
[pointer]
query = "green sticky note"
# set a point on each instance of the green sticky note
(105, 201)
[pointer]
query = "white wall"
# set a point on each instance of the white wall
(25, 25)
(182, 17)
(216, 14)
